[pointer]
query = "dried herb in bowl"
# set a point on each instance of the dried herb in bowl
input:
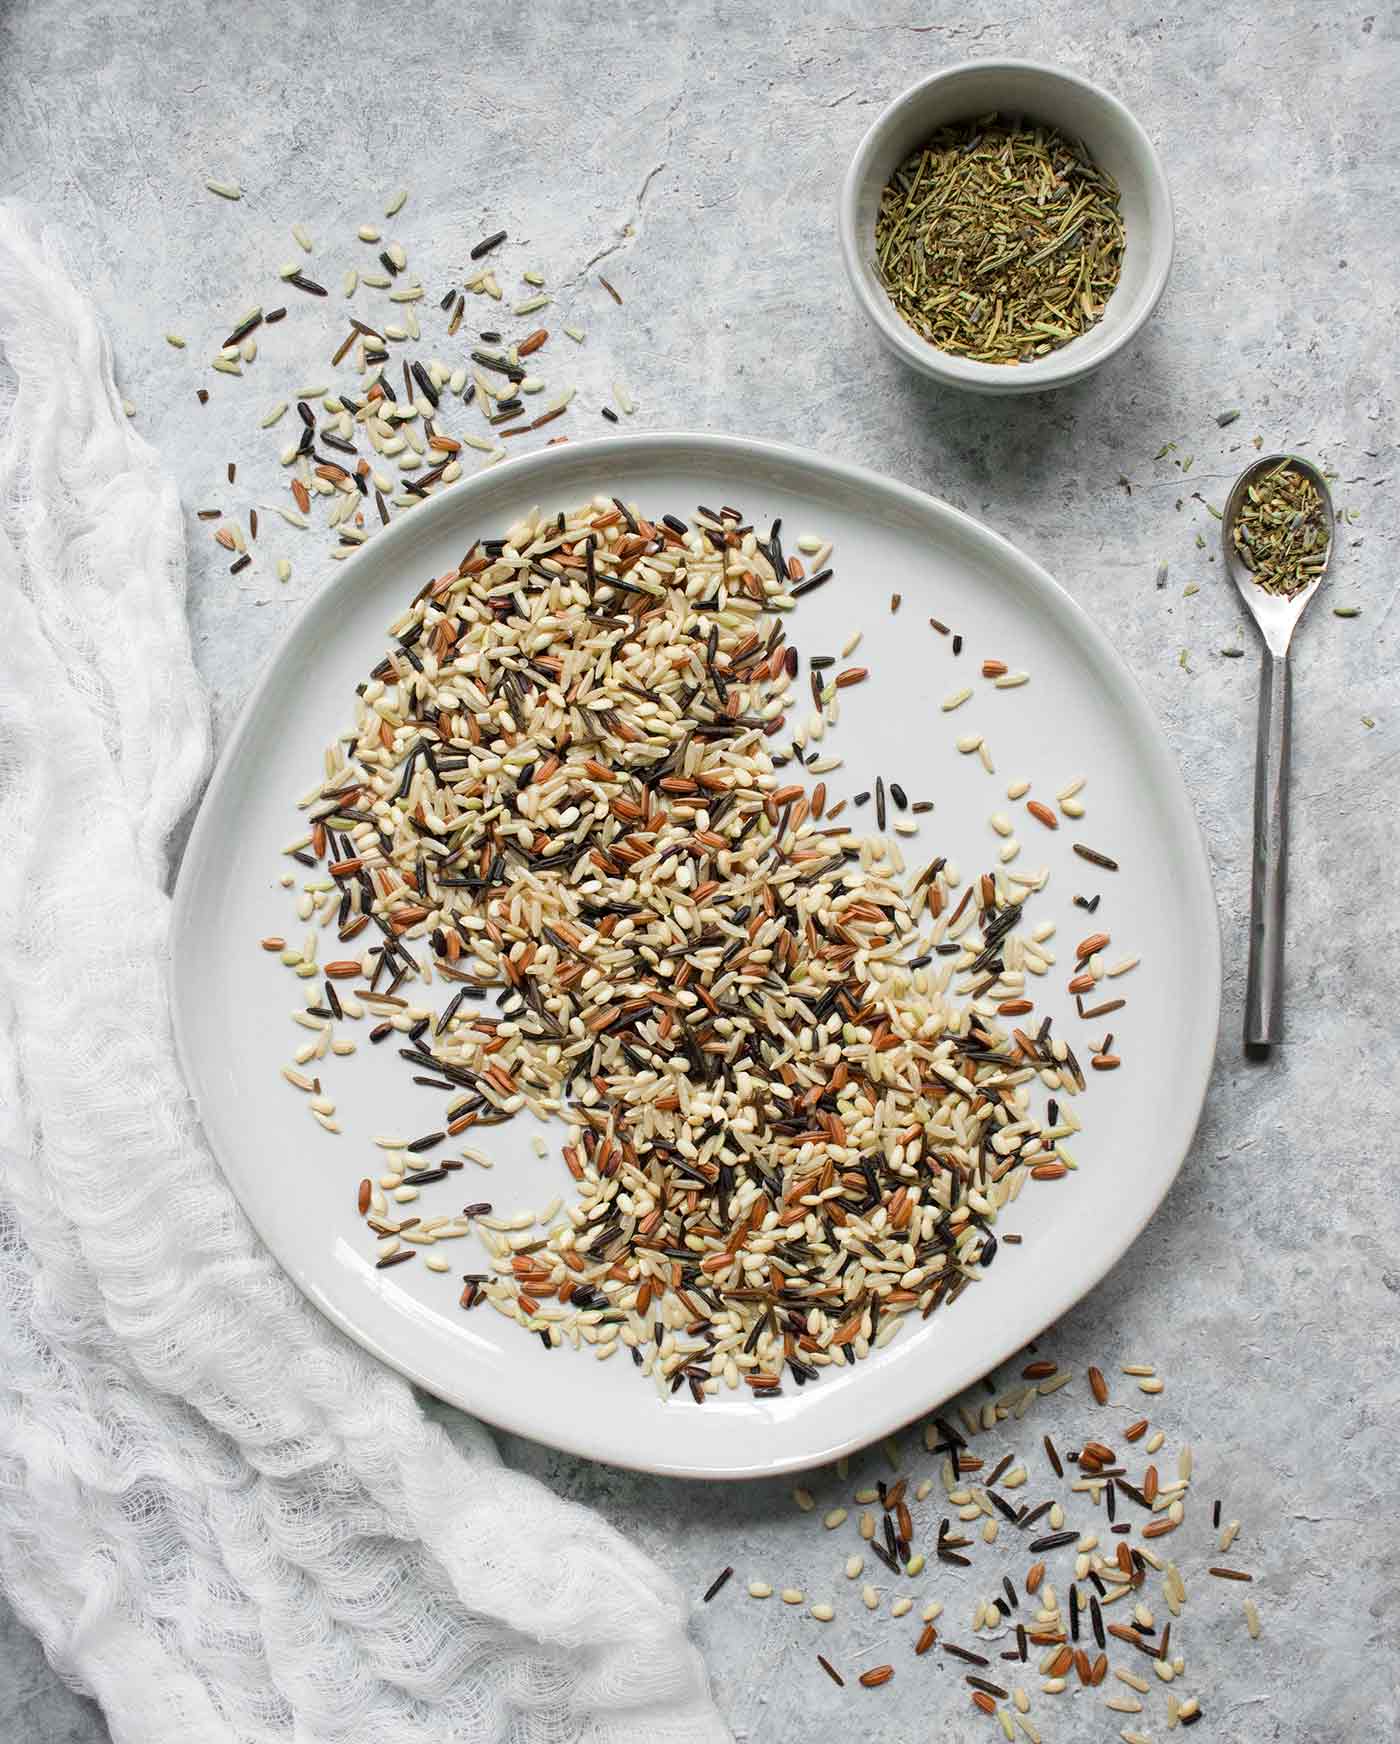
(1281, 531)
(999, 240)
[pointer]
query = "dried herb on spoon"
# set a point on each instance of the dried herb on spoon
(1281, 530)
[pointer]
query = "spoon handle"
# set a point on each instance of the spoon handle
(1263, 1008)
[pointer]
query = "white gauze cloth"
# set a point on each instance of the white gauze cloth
(224, 1521)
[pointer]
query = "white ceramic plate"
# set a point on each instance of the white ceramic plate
(1080, 714)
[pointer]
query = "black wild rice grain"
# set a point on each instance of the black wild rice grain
(303, 283)
(1053, 1540)
(716, 1584)
(831, 1672)
(244, 328)
(812, 581)
(487, 243)
(498, 365)
(1094, 857)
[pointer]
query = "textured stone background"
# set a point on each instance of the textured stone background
(700, 147)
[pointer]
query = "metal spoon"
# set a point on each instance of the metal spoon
(1277, 618)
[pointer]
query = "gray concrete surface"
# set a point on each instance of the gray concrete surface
(699, 147)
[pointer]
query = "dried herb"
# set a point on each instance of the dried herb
(1281, 530)
(998, 240)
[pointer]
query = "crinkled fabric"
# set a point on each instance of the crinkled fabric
(224, 1521)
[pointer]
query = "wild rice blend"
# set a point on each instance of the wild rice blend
(793, 1109)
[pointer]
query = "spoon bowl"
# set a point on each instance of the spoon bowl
(1277, 616)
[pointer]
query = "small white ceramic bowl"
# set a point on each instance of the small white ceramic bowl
(1076, 108)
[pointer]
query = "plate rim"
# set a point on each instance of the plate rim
(893, 1413)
